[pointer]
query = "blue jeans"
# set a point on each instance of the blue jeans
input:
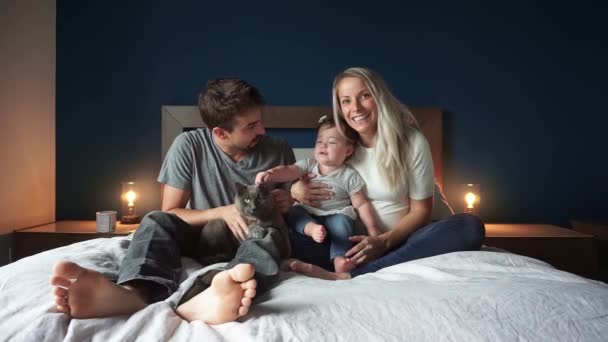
(162, 239)
(460, 232)
(339, 228)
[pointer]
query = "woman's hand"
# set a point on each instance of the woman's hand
(310, 193)
(231, 215)
(368, 248)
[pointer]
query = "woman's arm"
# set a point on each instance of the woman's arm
(369, 248)
(419, 216)
(366, 213)
(310, 192)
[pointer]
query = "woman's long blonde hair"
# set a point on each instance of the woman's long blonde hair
(394, 118)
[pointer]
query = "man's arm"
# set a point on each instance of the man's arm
(174, 201)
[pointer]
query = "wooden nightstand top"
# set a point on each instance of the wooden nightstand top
(77, 227)
(508, 230)
(599, 229)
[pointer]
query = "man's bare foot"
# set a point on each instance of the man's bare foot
(84, 293)
(316, 231)
(343, 265)
(228, 298)
(315, 271)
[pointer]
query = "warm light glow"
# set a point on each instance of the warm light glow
(131, 196)
(471, 198)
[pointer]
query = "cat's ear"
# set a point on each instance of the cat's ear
(240, 188)
(264, 188)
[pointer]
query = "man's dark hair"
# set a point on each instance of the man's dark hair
(224, 98)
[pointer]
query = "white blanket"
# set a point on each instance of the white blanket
(466, 296)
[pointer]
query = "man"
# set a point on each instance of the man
(200, 169)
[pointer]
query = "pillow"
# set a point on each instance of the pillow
(441, 207)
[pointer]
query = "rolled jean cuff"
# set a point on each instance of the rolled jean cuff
(150, 271)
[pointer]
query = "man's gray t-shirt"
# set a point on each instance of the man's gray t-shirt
(195, 163)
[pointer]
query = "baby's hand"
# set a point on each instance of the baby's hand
(262, 177)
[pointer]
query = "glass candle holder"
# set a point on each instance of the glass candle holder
(128, 198)
(471, 196)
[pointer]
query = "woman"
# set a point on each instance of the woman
(394, 159)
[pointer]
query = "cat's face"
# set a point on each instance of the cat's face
(253, 200)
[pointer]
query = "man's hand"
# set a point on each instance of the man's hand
(368, 248)
(282, 200)
(309, 192)
(231, 215)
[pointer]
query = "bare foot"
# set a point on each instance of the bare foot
(343, 265)
(84, 293)
(315, 271)
(316, 231)
(228, 298)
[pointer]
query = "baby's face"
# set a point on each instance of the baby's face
(332, 148)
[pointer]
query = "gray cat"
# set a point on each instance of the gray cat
(267, 242)
(257, 208)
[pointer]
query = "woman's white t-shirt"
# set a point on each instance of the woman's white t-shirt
(389, 204)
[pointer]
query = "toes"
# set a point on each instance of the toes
(246, 301)
(67, 270)
(249, 293)
(242, 272)
(293, 265)
(285, 265)
(63, 309)
(60, 281)
(243, 310)
(60, 292)
(61, 301)
(249, 284)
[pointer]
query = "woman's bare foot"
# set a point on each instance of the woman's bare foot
(316, 231)
(84, 293)
(343, 265)
(228, 298)
(315, 271)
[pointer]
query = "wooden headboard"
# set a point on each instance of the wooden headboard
(176, 118)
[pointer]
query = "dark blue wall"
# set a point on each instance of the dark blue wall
(524, 85)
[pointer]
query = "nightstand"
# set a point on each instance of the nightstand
(563, 248)
(37, 239)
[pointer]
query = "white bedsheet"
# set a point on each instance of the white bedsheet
(466, 296)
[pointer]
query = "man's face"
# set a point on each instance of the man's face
(248, 129)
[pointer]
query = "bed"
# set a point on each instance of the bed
(464, 296)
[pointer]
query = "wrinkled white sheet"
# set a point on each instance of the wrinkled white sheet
(466, 296)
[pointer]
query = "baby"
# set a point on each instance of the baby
(335, 216)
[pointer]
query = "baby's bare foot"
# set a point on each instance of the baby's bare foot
(343, 265)
(316, 231)
(84, 293)
(315, 271)
(228, 298)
